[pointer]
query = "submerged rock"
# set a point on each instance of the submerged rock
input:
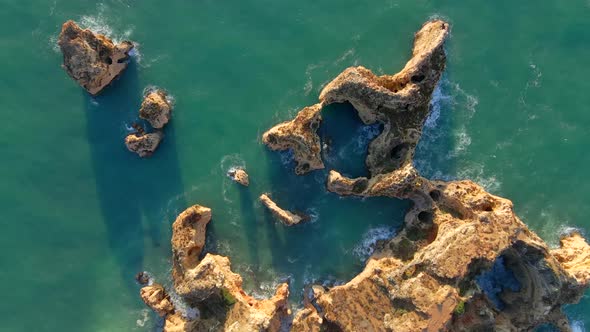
(91, 59)
(211, 295)
(288, 218)
(142, 143)
(463, 260)
(156, 108)
(240, 176)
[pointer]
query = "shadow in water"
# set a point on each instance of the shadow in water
(139, 198)
(332, 248)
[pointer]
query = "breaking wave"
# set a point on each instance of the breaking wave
(367, 246)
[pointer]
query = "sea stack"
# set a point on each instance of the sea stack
(288, 218)
(92, 59)
(142, 143)
(239, 175)
(156, 108)
(210, 295)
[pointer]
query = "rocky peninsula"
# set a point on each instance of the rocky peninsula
(92, 59)
(463, 261)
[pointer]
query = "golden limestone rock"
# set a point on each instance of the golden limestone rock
(397, 101)
(91, 59)
(300, 136)
(156, 298)
(288, 218)
(210, 294)
(156, 108)
(239, 175)
(142, 143)
(463, 260)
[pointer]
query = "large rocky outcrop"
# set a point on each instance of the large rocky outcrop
(463, 260)
(210, 295)
(400, 102)
(156, 108)
(91, 59)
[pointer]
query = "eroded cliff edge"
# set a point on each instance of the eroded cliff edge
(206, 294)
(92, 59)
(463, 260)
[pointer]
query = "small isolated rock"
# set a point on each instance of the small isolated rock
(286, 217)
(143, 144)
(91, 59)
(156, 108)
(239, 175)
(143, 278)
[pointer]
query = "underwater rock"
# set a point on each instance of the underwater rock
(456, 236)
(299, 135)
(286, 217)
(211, 294)
(156, 108)
(240, 176)
(142, 143)
(91, 59)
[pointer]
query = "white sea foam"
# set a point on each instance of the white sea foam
(228, 163)
(578, 326)
(364, 135)
(367, 246)
(313, 214)
(144, 318)
(287, 157)
(476, 173)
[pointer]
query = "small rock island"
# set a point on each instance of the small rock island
(463, 261)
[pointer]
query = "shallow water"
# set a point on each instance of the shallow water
(81, 215)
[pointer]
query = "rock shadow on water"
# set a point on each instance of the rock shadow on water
(132, 191)
(345, 139)
(326, 250)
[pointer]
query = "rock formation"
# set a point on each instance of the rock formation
(142, 143)
(156, 108)
(400, 102)
(211, 297)
(286, 217)
(240, 176)
(91, 59)
(463, 260)
(300, 136)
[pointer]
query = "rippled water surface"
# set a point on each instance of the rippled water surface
(81, 215)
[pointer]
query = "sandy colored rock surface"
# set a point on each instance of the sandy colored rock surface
(91, 59)
(300, 136)
(211, 294)
(286, 217)
(463, 260)
(143, 144)
(156, 108)
(240, 176)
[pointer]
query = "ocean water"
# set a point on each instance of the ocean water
(81, 215)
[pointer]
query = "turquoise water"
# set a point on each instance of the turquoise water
(81, 215)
